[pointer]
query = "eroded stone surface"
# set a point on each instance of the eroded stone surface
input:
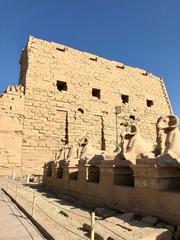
(65, 94)
(104, 212)
(150, 220)
(135, 230)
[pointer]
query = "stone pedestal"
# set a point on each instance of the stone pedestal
(65, 176)
(82, 175)
(148, 174)
(106, 180)
(70, 172)
(44, 175)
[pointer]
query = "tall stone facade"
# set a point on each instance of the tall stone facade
(65, 94)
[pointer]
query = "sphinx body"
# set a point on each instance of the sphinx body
(172, 144)
(167, 148)
(169, 139)
(133, 146)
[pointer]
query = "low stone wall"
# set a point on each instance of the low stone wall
(142, 200)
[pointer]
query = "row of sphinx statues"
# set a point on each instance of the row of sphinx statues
(132, 146)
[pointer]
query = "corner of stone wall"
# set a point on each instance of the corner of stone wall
(167, 96)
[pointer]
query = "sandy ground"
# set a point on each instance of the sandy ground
(14, 225)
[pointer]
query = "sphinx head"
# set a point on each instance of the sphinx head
(169, 122)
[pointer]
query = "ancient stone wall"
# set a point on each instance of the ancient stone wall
(12, 101)
(11, 129)
(70, 94)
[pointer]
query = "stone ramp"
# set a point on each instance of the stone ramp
(14, 225)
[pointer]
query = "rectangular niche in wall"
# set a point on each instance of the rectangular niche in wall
(96, 93)
(49, 172)
(125, 98)
(123, 176)
(61, 86)
(97, 124)
(93, 174)
(149, 103)
(73, 175)
(60, 124)
(59, 172)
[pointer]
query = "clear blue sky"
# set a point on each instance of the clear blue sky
(142, 33)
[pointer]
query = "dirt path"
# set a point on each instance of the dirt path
(14, 225)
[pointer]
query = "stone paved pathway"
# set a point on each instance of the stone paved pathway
(14, 225)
